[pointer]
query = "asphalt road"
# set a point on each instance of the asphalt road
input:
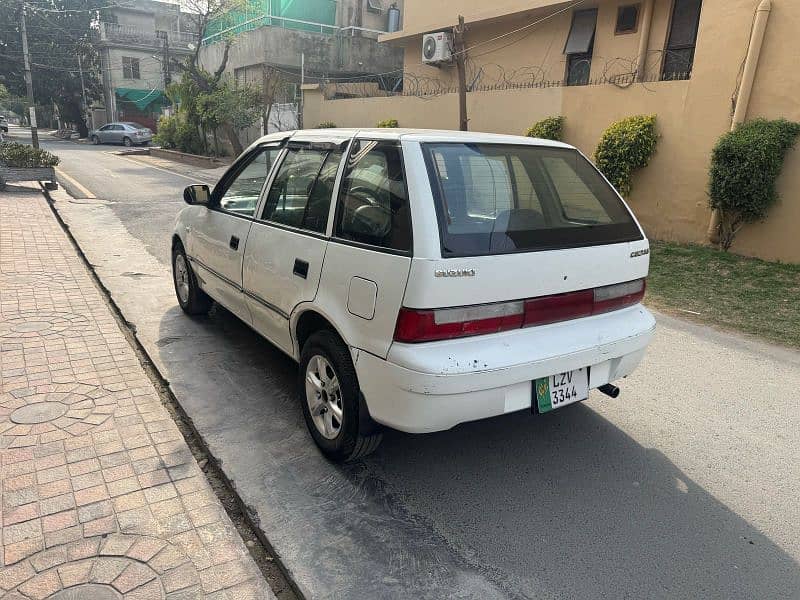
(145, 197)
(686, 486)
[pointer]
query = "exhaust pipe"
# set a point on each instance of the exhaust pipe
(609, 390)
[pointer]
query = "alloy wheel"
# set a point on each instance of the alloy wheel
(182, 278)
(324, 397)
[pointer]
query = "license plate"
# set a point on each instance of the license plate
(562, 389)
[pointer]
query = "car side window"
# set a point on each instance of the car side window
(301, 192)
(373, 202)
(105, 128)
(243, 192)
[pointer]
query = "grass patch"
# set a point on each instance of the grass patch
(747, 294)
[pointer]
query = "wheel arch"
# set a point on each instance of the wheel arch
(305, 321)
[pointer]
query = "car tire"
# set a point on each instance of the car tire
(95, 140)
(356, 434)
(192, 300)
(126, 141)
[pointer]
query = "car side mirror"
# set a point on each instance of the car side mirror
(198, 194)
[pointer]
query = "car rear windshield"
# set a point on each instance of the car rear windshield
(498, 198)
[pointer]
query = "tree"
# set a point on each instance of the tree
(59, 31)
(207, 96)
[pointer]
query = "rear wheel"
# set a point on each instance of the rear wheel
(191, 298)
(331, 400)
(95, 140)
(127, 141)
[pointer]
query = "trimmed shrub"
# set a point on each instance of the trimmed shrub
(176, 133)
(23, 156)
(550, 128)
(745, 165)
(392, 123)
(165, 134)
(626, 146)
(327, 125)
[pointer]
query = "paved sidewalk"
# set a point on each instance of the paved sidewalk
(101, 497)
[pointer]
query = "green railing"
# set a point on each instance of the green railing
(318, 16)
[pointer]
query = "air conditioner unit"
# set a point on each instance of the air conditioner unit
(437, 47)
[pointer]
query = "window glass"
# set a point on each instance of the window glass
(499, 198)
(580, 46)
(373, 203)
(242, 194)
(106, 127)
(679, 52)
(627, 18)
(300, 195)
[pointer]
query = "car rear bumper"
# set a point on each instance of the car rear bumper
(431, 387)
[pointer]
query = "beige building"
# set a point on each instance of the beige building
(594, 62)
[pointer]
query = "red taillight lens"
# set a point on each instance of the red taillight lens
(613, 297)
(448, 323)
(561, 307)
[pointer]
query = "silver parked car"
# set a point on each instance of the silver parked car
(127, 133)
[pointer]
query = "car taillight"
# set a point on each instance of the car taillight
(448, 323)
(612, 297)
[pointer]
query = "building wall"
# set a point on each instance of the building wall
(669, 196)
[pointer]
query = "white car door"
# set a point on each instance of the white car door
(286, 247)
(219, 233)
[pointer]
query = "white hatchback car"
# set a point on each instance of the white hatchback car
(421, 278)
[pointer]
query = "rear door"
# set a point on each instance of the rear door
(219, 234)
(519, 221)
(286, 247)
(369, 255)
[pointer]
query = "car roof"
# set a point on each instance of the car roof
(415, 135)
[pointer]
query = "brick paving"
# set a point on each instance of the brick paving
(101, 497)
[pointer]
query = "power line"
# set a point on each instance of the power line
(523, 28)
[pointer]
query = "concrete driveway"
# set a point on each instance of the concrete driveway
(685, 486)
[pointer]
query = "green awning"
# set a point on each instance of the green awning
(141, 98)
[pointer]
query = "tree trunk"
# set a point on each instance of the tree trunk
(233, 138)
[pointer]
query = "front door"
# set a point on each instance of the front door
(287, 244)
(219, 234)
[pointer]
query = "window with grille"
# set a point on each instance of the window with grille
(130, 68)
(375, 6)
(679, 52)
(627, 19)
(580, 46)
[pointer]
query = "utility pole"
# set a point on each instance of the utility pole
(28, 78)
(460, 55)
(302, 93)
(83, 91)
(167, 73)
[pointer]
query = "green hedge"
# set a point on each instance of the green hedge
(392, 123)
(17, 155)
(550, 128)
(626, 146)
(175, 132)
(745, 165)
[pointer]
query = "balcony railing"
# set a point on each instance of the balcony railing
(128, 34)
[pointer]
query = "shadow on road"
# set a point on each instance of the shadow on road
(565, 505)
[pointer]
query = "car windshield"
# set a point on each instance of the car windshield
(498, 198)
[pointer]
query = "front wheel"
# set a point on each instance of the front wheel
(95, 140)
(331, 400)
(191, 298)
(127, 141)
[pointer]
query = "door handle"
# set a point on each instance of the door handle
(300, 268)
(234, 243)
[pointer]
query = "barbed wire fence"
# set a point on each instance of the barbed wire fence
(621, 72)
